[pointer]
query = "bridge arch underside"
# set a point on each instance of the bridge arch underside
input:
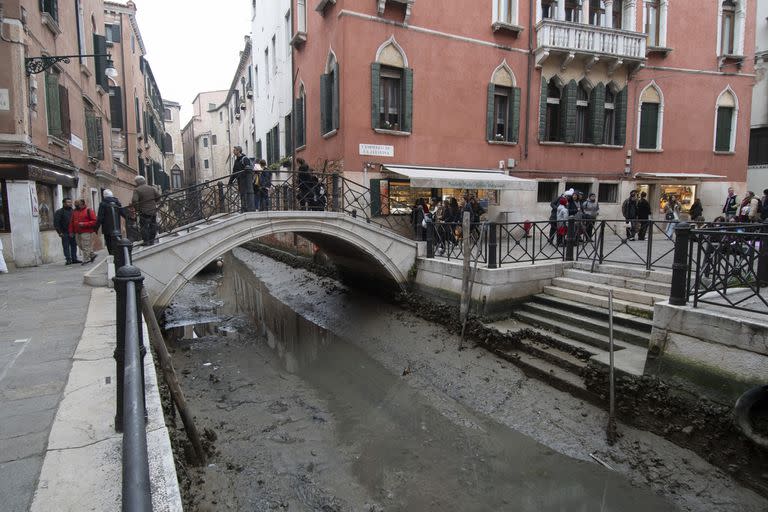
(363, 256)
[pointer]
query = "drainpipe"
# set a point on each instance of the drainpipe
(294, 74)
(529, 78)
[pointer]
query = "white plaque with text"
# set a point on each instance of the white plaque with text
(76, 142)
(5, 100)
(376, 150)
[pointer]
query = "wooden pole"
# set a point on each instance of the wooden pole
(466, 248)
(169, 374)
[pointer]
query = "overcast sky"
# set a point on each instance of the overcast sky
(193, 45)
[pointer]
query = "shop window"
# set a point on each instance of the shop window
(685, 195)
(503, 114)
(45, 205)
(608, 193)
(5, 225)
(584, 187)
(651, 118)
(548, 191)
(391, 89)
(725, 122)
(758, 146)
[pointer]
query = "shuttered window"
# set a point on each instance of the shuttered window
(52, 104)
(95, 133)
(299, 109)
(724, 128)
(329, 100)
(116, 107)
(582, 115)
(552, 106)
(503, 113)
(100, 48)
(391, 98)
(66, 123)
(288, 135)
(649, 125)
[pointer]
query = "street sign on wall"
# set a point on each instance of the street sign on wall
(376, 150)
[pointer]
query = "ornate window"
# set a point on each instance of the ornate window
(300, 117)
(731, 27)
(503, 112)
(391, 89)
(582, 113)
(725, 121)
(550, 128)
(651, 114)
(329, 96)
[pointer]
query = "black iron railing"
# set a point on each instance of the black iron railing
(724, 265)
(130, 415)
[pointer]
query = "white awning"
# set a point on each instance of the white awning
(677, 176)
(447, 177)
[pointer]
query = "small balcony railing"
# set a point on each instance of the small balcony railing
(589, 39)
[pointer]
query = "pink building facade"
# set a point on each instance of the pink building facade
(602, 96)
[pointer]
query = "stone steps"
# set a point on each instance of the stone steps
(627, 314)
(624, 294)
(630, 283)
(630, 271)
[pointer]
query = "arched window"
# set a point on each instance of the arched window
(725, 121)
(503, 113)
(582, 113)
(651, 117)
(167, 143)
(727, 27)
(176, 181)
(391, 89)
(329, 96)
(300, 117)
(609, 117)
(552, 94)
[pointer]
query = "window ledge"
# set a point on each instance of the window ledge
(57, 141)
(301, 148)
(662, 50)
(330, 133)
(725, 152)
(299, 39)
(579, 145)
(647, 150)
(501, 26)
(502, 143)
(396, 133)
(51, 23)
(323, 4)
(84, 70)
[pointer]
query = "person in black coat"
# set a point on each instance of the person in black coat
(108, 219)
(61, 219)
(244, 181)
(306, 184)
(643, 215)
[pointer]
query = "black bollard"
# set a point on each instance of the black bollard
(678, 293)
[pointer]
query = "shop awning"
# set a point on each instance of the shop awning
(677, 176)
(448, 177)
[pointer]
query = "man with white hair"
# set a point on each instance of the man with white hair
(108, 219)
(144, 200)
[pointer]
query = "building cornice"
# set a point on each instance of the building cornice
(245, 59)
(130, 11)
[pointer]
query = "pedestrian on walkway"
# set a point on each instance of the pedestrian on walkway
(643, 215)
(83, 225)
(731, 206)
(629, 211)
(672, 215)
(697, 211)
(562, 220)
(144, 200)
(61, 219)
(591, 209)
(110, 212)
(239, 173)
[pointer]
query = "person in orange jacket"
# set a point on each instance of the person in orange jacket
(83, 225)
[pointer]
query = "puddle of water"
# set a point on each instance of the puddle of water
(405, 451)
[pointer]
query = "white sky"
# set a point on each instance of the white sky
(193, 45)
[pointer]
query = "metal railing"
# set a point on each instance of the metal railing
(130, 415)
(725, 265)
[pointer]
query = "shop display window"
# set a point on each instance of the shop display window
(45, 206)
(685, 195)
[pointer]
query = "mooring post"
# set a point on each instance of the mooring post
(678, 293)
(466, 247)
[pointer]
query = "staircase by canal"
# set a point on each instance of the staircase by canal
(568, 323)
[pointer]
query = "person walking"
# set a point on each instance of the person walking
(244, 184)
(83, 225)
(643, 215)
(61, 219)
(697, 211)
(629, 211)
(591, 209)
(562, 220)
(672, 215)
(144, 200)
(731, 206)
(753, 213)
(265, 186)
(108, 219)
(305, 185)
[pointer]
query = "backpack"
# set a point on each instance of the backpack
(624, 206)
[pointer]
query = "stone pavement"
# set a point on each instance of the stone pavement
(42, 315)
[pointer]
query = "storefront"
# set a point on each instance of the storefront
(401, 186)
(660, 187)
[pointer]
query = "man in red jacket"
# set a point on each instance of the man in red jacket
(83, 225)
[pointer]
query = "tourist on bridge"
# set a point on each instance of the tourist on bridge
(265, 184)
(590, 209)
(306, 184)
(244, 182)
(83, 225)
(144, 200)
(110, 211)
(629, 211)
(643, 215)
(61, 219)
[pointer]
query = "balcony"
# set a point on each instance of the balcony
(591, 43)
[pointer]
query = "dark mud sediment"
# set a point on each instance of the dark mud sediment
(286, 440)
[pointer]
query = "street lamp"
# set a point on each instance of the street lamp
(35, 65)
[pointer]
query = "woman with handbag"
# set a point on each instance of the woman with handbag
(672, 215)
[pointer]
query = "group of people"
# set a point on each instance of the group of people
(573, 204)
(446, 216)
(77, 225)
(749, 209)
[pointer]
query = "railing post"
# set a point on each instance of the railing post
(602, 241)
(762, 256)
(335, 192)
(492, 246)
(678, 294)
(136, 494)
(430, 239)
(649, 234)
(119, 354)
(570, 239)
(222, 199)
(123, 248)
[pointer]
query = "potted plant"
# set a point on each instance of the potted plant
(499, 137)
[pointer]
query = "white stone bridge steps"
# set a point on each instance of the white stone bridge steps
(572, 314)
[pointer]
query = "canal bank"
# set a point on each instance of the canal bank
(282, 421)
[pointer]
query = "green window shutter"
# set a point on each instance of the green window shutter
(325, 87)
(100, 48)
(335, 103)
(299, 121)
(116, 107)
(723, 134)
(596, 113)
(543, 110)
(407, 124)
(66, 123)
(375, 93)
(620, 110)
(52, 104)
(375, 198)
(490, 122)
(568, 111)
(513, 133)
(649, 122)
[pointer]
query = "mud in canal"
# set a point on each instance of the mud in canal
(320, 398)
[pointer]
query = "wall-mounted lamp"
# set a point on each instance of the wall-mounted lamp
(35, 65)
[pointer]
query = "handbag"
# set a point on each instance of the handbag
(669, 216)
